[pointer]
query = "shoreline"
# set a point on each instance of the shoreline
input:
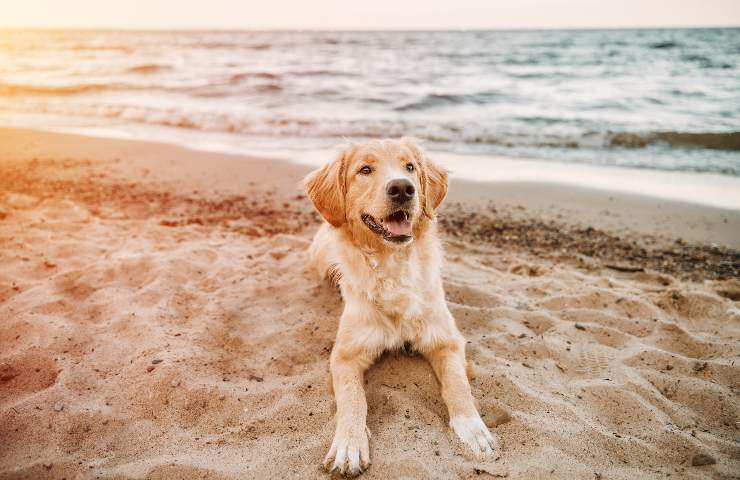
(619, 212)
(681, 186)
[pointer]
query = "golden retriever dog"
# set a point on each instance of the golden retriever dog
(380, 245)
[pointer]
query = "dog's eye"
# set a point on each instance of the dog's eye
(366, 170)
(409, 167)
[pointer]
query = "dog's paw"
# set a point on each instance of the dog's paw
(474, 433)
(350, 451)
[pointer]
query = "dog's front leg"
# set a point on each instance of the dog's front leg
(350, 451)
(448, 363)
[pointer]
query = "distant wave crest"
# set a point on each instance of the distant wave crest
(11, 89)
(434, 100)
(240, 77)
(711, 140)
(664, 45)
(231, 45)
(148, 68)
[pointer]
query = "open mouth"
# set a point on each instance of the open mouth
(395, 228)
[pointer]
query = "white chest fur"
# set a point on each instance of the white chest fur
(395, 294)
(396, 287)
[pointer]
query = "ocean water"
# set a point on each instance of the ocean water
(653, 99)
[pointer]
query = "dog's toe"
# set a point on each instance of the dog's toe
(349, 454)
(329, 458)
(347, 462)
(353, 460)
(474, 433)
(365, 455)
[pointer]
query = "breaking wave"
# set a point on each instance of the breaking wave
(710, 140)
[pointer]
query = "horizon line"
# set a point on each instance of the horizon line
(361, 30)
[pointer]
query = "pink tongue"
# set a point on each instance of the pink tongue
(398, 228)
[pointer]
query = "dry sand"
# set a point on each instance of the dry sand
(156, 321)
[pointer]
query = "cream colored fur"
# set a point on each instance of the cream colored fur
(393, 294)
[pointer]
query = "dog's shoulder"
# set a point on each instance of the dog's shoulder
(323, 254)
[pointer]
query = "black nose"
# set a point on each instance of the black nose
(400, 190)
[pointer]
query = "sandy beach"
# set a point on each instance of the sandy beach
(157, 321)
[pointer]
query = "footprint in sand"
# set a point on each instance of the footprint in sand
(594, 361)
(26, 373)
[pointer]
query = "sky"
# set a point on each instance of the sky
(367, 15)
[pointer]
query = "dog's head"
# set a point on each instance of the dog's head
(383, 191)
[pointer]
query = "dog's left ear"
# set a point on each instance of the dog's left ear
(433, 179)
(326, 189)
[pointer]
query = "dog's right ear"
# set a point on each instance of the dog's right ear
(433, 179)
(326, 189)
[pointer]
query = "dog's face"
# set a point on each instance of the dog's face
(383, 190)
